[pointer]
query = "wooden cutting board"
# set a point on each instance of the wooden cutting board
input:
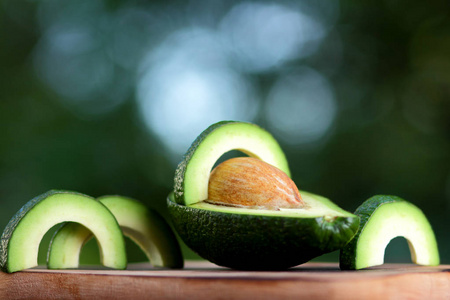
(202, 280)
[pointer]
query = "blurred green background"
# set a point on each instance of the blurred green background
(104, 97)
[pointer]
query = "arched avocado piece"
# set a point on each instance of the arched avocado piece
(21, 237)
(192, 173)
(142, 225)
(248, 238)
(382, 219)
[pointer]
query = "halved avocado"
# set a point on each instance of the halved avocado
(21, 237)
(192, 173)
(246, 238)
(142, 225)
(256, 239)
(382, 219)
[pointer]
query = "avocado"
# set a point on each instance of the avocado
(382, 219)
(248, 238)
(192, 173)
(256, 239)
(21, 237)
(142, 225)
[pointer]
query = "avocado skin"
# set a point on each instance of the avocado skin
(251, 242)
(15, 220)
(182, 166)
(364, 211)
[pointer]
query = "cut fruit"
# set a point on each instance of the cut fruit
(258, 239)
(20, 240)
(384, 218)
(250, 232)
(142, 225)
(192, 174)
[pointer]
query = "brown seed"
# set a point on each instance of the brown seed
(250, 182)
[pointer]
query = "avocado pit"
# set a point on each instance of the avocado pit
(251, 183)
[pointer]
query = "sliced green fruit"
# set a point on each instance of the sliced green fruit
(192, 174)
(243, 237)
(20, 240)
(142, 225)
(382, 219)
(257, 239)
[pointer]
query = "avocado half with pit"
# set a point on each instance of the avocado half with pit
(144, 226)
(20, 240)
(383, 218)
(248, 238)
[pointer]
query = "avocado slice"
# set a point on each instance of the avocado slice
(142, 225)
(248, 238)
(382, 219)
(21, 237)
(192, 173)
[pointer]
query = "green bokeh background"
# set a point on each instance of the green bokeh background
(388, 63)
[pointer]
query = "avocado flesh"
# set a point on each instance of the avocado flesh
(315, 206)
(71, 235)
(256, 239)
(142, 225)
(21, 238)
(192, 174)
(384, 218)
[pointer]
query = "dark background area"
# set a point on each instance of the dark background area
(104, 97)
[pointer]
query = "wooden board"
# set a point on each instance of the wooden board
(202, 280)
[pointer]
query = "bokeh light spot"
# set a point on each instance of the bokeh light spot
(301, 107)
(263, 36)
(185, 86)
(70, 56)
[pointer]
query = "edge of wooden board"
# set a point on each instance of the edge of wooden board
(201, 280)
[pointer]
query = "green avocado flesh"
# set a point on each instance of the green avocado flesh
(192, 174)
(142, 225)
(20, 240)
(316, 206)
(382, 219)
(249, 239)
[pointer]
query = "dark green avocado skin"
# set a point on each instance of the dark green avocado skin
(181, 168)
(252, 242)
(9, 229)
(364, 211)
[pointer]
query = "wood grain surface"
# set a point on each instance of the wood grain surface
(202, 280)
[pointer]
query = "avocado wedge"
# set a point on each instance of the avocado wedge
(247, 238)
(142, 225)
(192, 173)
(382, 219)
(21, 237)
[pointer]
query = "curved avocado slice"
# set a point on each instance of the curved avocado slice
(142, 225)
(251, 239)
(191, 175)
(21, 237)
(382, 219)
